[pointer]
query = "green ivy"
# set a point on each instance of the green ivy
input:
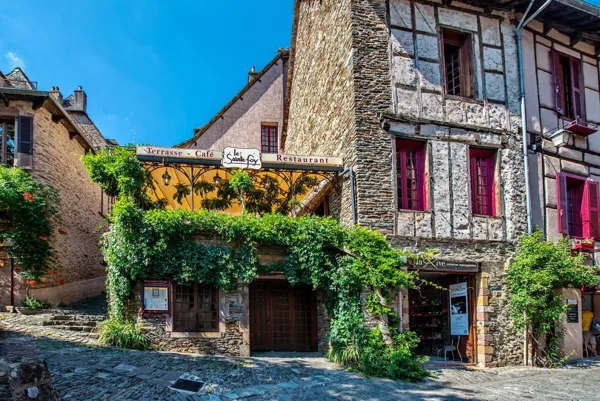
(341, 262)
(540, 267)
(28, 215)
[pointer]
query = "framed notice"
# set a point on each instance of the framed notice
(459, 310)
(572, 311)
(156, 297)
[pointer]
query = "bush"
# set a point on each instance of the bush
(124, 334)
(34, 303)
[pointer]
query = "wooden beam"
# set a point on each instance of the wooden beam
(578, 37)
(38, 103)
(548, 25)
(5, 99)
(57, 119)
(73, 135)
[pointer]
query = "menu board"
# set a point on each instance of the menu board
(459, 310)
(572, 311)
(156, 296)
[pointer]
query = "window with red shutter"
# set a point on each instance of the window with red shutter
(568, 86)
(578, 204)
(268, 139)
(483, 197)
(410, 166)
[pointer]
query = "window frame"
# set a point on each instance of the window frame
(576, 90)
(490, 156)
(196, 328)
(464, 41)
(401, 176)
(270, 142)
(589, 208)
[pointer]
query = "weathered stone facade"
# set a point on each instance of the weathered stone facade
(58, 146)
(378, 63)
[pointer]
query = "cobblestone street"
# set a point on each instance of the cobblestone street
(82, 370)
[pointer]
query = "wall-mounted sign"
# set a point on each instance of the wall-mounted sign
(572, 311)
(241, 158)
(459, 310)
(443, 265)
(302, 160)
(178, 153)
(156, 296)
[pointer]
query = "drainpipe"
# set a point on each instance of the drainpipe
(352, 193)
(518, 30)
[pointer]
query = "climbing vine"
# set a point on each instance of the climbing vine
(540, 267)
(341, 262)
(28, 215)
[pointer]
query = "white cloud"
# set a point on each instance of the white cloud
(14, 60)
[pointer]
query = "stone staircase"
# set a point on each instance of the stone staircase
(79, 323)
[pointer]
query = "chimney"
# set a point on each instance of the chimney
(55, 93)
(80, 103)
(252, 74)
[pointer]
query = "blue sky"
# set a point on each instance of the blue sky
(153, 70)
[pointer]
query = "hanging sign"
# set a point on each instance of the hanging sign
(241, 158)
(459, 310)
(178, 153)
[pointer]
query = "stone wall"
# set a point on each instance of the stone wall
(240, 124)
(321, 102)
(57, 162)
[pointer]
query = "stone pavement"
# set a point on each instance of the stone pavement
(82, 370)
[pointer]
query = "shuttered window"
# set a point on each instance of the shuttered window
(568, 86)
(410, 174)
(268, 139)
(482, 181)
(578, 204)
(196, 308)
(24, 142)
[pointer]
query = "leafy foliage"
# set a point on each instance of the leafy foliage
(124, 334)
(34, 303)
(28, 215)
(118, 172)
(339, 261)
(540, 267)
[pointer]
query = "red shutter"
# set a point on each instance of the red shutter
(557, 81)
(590, 210)
(474, 202)
(577, 90)
(421, 182)
(561, 203)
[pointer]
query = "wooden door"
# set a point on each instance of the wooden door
(282, 318)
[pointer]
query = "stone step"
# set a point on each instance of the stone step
(76, 328)
(85, 318)
(90, 323)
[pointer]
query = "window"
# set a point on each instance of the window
(196, 308)
(410, 172)
(577, 203)
(482, 181)
(458, 63)
(568, 86)
(7, 141)
(269, 139)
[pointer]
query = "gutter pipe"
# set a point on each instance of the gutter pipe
(352, 193)
(524, 21)
(518, 31)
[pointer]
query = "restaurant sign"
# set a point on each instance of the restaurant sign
(239, 158)
(443, 265)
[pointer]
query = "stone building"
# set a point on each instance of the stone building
(51, 134)
(561, 66)
(421, 99)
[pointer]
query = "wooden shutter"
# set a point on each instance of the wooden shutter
(577, 90)
(24, 142)
(557, 81)
(590, 210)
(467, 67)
(561, 203)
